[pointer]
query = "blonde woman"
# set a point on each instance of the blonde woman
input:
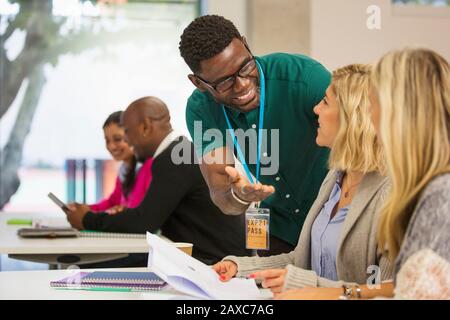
(411, 112)
(338, 241)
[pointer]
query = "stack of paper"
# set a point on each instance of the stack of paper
(193, 277)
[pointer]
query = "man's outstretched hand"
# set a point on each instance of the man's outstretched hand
(245, 190)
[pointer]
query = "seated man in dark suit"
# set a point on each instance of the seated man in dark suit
(177, 201)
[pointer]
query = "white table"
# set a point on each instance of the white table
(35, 285)
(52, 251)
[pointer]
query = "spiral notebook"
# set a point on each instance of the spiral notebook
(45, 232)
(98, 234)
(112, 280)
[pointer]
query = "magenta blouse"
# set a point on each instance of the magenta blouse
(135, 196)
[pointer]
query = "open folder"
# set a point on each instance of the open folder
(193, 277)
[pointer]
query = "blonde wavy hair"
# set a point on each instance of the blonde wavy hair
(413, 88)
(355, 146)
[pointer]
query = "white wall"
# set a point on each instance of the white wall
(339, 34)
(279, 26)
(234, 10)
(269, 25)
(335, 31)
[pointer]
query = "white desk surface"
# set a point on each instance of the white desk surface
(35, 285)
(10, 243)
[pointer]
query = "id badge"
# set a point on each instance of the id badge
(257, 221)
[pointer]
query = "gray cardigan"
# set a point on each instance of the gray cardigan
(429, 226)
(357, 250)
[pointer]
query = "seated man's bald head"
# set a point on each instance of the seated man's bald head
(146, 122)
(148, 107)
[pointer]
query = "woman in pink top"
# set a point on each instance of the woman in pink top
(133, 179)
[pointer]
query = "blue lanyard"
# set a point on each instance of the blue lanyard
(262, 98)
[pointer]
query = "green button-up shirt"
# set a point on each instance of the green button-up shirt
(294, 85)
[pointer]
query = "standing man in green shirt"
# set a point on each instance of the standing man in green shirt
(231, 83)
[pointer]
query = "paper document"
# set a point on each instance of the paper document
(51, 223)
(193, 277)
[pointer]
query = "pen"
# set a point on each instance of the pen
(20, 222)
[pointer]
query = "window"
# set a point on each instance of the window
(65, 66)
(426, 9)
(435, 3)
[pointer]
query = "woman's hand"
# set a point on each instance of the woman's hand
(272, 278)
(225, 269)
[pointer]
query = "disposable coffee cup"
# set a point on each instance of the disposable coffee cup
(185, 247)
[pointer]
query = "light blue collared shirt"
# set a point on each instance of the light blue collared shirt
(325, 234)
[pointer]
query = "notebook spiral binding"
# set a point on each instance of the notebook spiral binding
(92, 234)
(141, 281)
(122, 278)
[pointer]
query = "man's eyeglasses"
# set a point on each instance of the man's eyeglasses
(229, 82)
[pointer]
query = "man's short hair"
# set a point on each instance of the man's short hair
(206, 37)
